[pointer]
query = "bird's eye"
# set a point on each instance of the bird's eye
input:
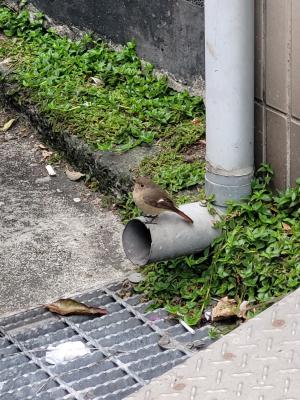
(142, 185)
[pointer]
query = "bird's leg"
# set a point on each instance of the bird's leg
(152, 218)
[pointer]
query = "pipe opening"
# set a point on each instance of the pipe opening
(137, 242)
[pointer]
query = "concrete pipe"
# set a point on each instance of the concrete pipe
(169, 236)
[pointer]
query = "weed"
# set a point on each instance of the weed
(127, 208)
(170, 171)
(55, 158)
(92, 183)
(214, 333)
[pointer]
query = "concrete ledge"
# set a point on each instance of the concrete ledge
(114, 171)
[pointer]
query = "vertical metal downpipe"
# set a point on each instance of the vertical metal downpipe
(229, 76)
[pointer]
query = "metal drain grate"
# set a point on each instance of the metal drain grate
(125, 351)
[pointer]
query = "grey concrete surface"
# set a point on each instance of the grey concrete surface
(50, 246)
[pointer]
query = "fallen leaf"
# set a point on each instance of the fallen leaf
(225, 308)
(244, 308)
(46, 154)
(196, 121)
(73, 307)
(42, 146)
(190, 158)
(126, 290)
(286, 227)
(74, 175)
(5, 62)
(135, 277)
(97, 81)
(7, 125)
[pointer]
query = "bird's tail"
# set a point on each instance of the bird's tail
(184, 216)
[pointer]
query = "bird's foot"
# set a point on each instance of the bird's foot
(151, 219)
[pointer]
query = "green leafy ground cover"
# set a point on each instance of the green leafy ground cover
(110, 99)
(256, 258)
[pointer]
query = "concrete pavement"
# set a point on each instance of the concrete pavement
(50, 245)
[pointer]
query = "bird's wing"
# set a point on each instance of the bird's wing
(160, 200)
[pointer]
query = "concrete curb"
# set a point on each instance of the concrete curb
(114, 171)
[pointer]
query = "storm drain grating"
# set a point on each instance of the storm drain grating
(125, 353)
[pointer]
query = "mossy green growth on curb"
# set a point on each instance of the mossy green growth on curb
(110, 99)
(256, 258)
(169, 167)
(169, 170)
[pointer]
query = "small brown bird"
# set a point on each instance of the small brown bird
(152, 200)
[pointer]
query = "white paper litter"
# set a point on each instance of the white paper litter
(207, 315)
(50, 170)
(65, 352)
(187, 327)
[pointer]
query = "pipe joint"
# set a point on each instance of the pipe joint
(226, 188)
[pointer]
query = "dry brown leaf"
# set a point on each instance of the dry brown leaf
(74, 175)
(135, 277)
(190, 158)
(126, 290)
(42, 146)
(243, 309)
(225, 308)
(97, 81)
(286, 227)
(7, 125)
(46, 154)
(196, 121)
(73, 307)
(5, 62)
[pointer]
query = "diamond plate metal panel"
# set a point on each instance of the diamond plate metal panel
(125, 351)
(258, 361)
